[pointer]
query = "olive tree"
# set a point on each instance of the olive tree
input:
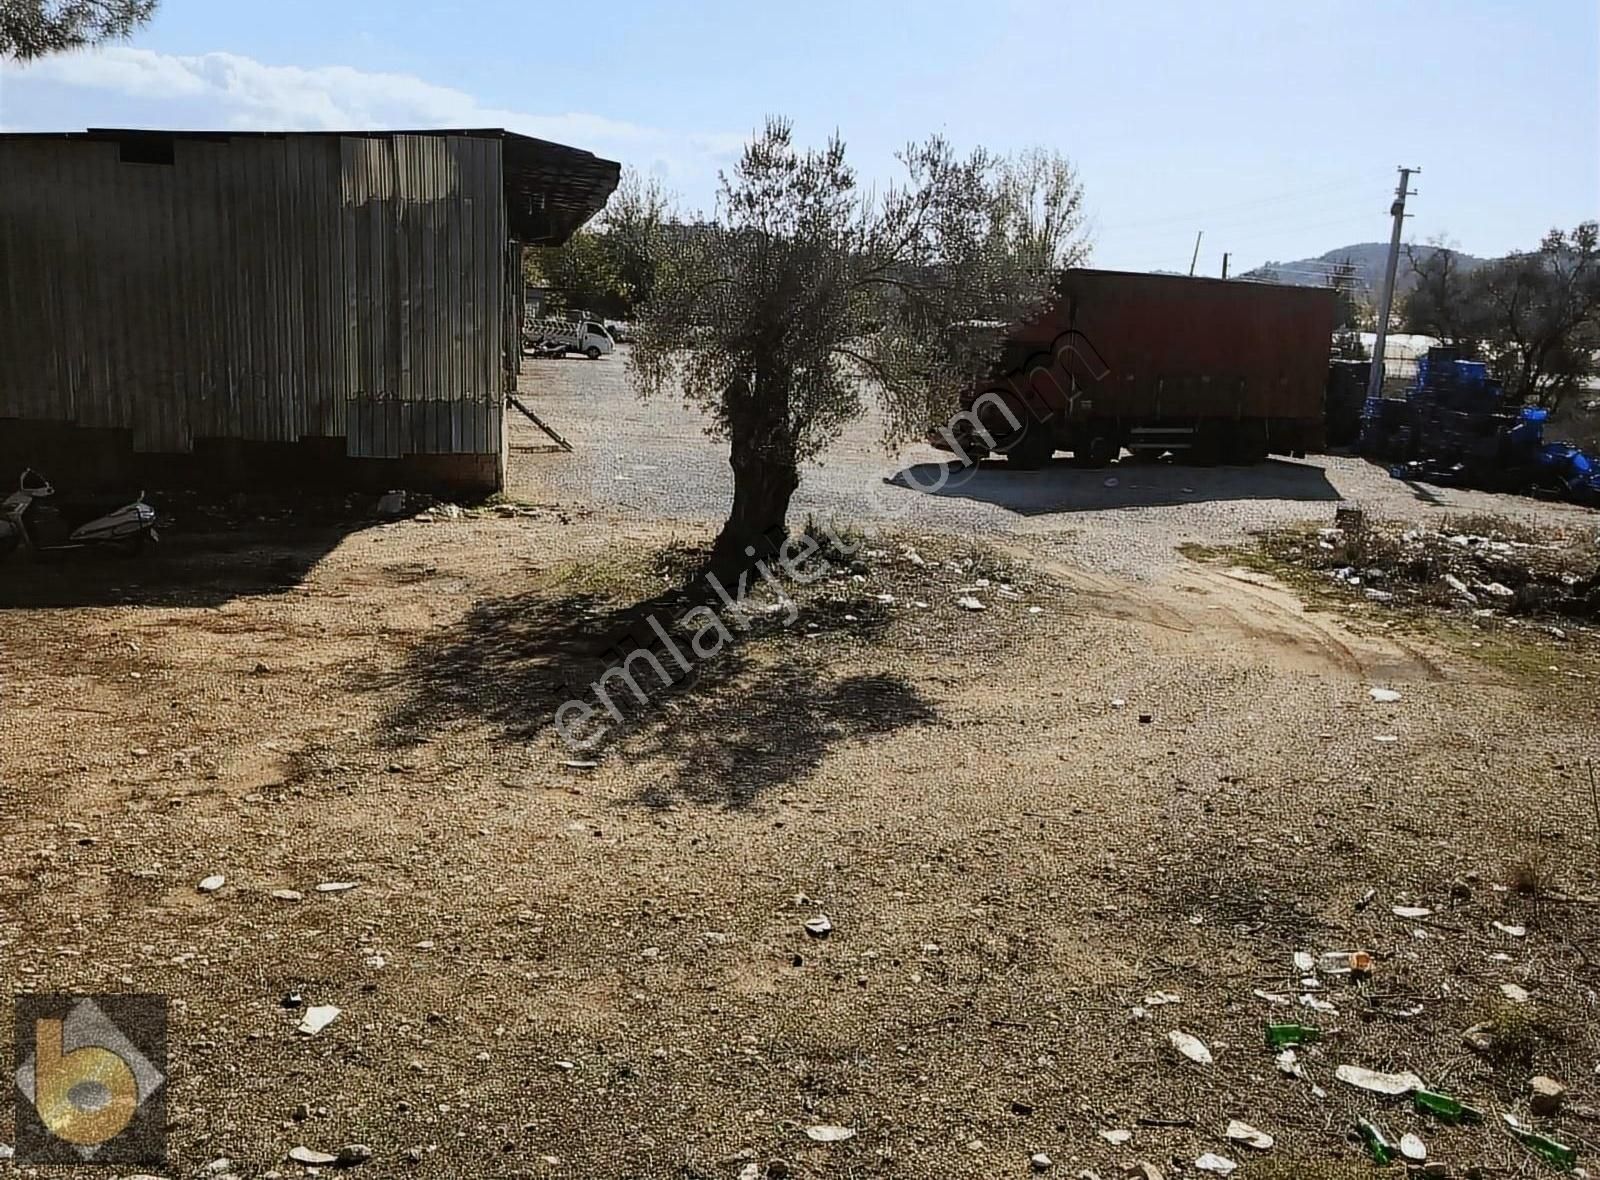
(806, 294)
(1537, 315)
(34, 28)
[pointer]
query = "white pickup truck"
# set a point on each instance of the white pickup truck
(558, 337)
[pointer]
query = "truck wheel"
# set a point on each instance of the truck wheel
(1095, 450)
(592, 352)
(1031, 448)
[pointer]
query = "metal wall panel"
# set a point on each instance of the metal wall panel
(259, 288)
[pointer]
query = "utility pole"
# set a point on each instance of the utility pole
(1398, 212)
(1196, 256)
(1224, 264)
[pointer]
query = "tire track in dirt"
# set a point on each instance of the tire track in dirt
(1200, 609)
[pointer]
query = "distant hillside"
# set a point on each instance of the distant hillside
(1368, 259)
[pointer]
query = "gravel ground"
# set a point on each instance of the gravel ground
(653, 460)
(1048, 833)
(1021, 822)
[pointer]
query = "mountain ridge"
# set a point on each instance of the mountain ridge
(1367, 261)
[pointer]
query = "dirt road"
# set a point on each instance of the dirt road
(652, 460)
(1031, 826)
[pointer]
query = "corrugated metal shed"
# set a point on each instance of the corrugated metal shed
(274, 288)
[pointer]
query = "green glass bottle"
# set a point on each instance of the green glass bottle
(1445, 1108)
(1378, 1144)
(1546, 1148)
(1282, 1036)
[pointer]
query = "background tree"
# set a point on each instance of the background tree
(605, 267)
(1534, 316)
(1537, 315)
(1439, 301)
(804, 294)
(34, 28)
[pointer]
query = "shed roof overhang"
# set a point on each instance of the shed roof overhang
(550, 189)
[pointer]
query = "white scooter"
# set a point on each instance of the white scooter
(29, 517)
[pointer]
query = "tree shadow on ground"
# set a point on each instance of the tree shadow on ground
(759, 727)
(762, 712)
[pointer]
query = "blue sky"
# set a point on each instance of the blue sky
(1275, 127)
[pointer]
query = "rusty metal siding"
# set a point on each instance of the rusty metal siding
(257, 288)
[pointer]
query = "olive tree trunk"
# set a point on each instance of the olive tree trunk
(765, 476)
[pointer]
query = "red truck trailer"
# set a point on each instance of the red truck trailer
(1211, 370)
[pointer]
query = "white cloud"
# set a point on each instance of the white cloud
(251, 95)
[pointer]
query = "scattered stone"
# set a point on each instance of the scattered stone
(1143, 1170)
(1479, 1038)
(317, 1018)
(1378, 1083)
(1040, 1162)
(967, 602)
(819, 927)
(337, 886)
(217, 1166)
(827, 1133)
(1191, 1047)
(1220, 1165)
(310, 1157)
(392, 503)
(353, 1155)
(1510, 931)
(1545, 1096)
(1246, 1134)
(580, 764)
(1385, 696)
(210, 885)
(1514, 992)
(1117, 1137)
(288, 895)
(1413, 1148)
(1412, 911)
